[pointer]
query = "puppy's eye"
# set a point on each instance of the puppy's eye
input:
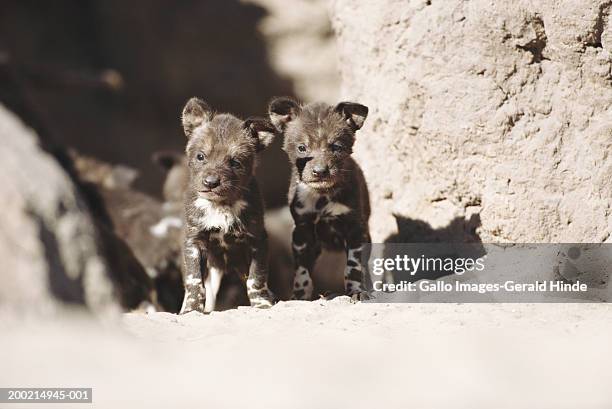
(336, 147)
(301, 148)
(234, 163)
(200, 157)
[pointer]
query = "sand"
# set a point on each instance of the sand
(325, 354)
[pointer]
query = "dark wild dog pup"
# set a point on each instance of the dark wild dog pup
(225, 236)
(175, 183)
(328, 196)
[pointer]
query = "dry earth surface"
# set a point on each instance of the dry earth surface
(325, 354)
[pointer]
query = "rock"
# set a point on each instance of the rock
(49, 244)
(58, 241)
(302, 46)
(492, 117)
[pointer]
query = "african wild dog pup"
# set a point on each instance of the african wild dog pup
(224, 232)
(328, 195)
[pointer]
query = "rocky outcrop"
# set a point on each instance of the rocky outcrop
(302, 46)
(488, 120)
(49, 246)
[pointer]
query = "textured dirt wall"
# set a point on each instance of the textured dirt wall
(302, 46)
(489, 120)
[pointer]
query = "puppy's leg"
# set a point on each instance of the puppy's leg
(354, 274)
(305, 254)
(257, 283)
(211, 286)
(193, 259)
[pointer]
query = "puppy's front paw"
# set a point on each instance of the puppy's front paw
(192, 303)
(262, 300)
(359, 296)
(329, 295)
(186, 310)
(300, 295)
(260, 297)
(356, 291)
(261, 303)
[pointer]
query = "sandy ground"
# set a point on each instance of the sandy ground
(325, 354)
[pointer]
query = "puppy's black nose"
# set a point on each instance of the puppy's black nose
(211, 181)
(320, 171)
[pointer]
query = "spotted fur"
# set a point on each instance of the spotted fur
(328, 194)
(225, 238)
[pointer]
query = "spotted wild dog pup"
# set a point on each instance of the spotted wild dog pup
(328, 196)
(224, 227)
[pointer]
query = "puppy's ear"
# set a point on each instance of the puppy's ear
(166, 159)
(195, 113)
(121, 177)
(262, 130)
(282, 111)
(354, 114)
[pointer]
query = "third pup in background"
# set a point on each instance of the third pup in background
(328, 195)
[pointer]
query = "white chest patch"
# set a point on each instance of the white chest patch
(308, 199)
(335, 209)
(218, 216)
